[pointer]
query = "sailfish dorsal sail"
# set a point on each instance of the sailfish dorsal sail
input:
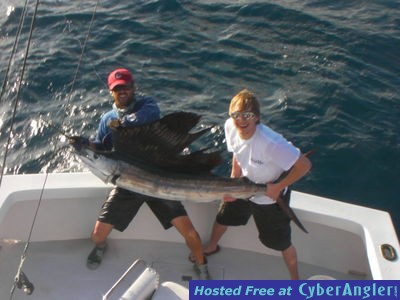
(160, 144)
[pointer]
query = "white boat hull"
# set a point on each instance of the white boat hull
(342, 239)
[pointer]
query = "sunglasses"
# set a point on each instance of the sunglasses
(120, 88)
(247, 115)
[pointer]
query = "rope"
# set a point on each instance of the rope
(21, 21)
(24, 254)
(17, 36)
(81, 58)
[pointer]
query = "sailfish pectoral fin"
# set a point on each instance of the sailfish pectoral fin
(290, 213)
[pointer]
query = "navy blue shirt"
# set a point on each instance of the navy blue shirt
(145, 110)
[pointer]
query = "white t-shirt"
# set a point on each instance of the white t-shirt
(263, 157)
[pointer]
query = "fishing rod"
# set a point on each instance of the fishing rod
(21, 281)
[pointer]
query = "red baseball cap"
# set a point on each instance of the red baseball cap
(119, 77)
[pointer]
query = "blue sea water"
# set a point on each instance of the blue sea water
(327, 74)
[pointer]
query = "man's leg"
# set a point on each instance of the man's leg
(99, 236)
(192, 238)
(216, 234)
(193, 241)
(100, 233)
(232, 213)
(290, 257)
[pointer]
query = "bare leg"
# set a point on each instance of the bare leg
(192, 238)
(217, 232)
(99, 236)
(100, 233)
(290, 257)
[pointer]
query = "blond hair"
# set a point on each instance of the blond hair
(245, 101)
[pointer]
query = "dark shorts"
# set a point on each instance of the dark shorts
(272, 223)
(122, 206)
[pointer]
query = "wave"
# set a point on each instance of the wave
(325, 72)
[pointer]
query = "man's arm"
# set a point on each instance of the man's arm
(301, 167)
(147, 113)
(236, 171)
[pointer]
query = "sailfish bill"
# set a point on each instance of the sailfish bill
(148, 160)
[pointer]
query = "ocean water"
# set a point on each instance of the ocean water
(327, 74)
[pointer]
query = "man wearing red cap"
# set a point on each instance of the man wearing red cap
(120, 208)
(129, 110)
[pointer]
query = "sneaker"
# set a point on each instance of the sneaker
(202, 271)
(95, 257)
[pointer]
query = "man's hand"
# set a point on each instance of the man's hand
(114, 124)
(272, 190)
(228, 198)
(78, 142)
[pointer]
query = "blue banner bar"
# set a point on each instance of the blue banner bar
(294, 289)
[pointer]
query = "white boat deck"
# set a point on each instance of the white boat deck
(344, 241)
(58, 269)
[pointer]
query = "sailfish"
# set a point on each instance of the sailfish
(150, 159)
